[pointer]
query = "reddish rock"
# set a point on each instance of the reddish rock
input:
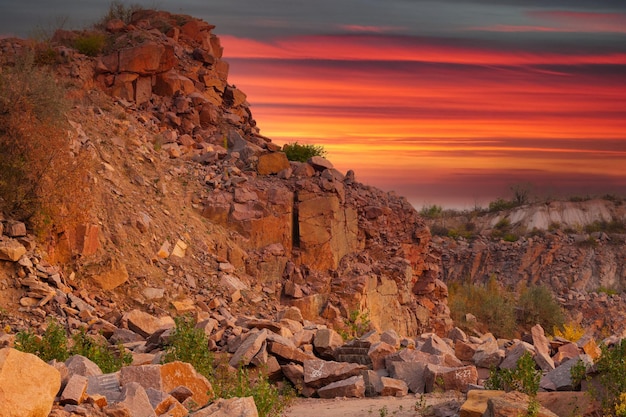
(318, 373)
(75, 391)
(325, 342)
(145, 324)
(438, 377)
(249, 348)
(542, 348)
(412, 373)
(27, 384)
(392, 387)
(289, 353)
(272, 163)
(171, 82)
(476, 403)
(512, 404)
(353, 387)
(232, 407)
(378, 352)
(146, 59)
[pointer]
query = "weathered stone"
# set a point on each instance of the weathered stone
(512, 404)
(542, 348)
(464, 350)
(410, 372)
(565, 352)
(11, 250)
(353, 387)
(436, 346)
(15, 229)
(325, 342)
(570, 403)
(146, 59)
(318, 373)
(169, 83)
(488, 354)
(145, 324)
(476, 403)
(457, 334)
(249, 348)
(114, 276)
(373, 384)
(289, 353)
(390, 337)
(27, 384)
(107, 385)
(232, 407)
(168, 377)
(378, 352)
(319, 163)
(560, 379)
(393, 387)
(80, 365)
(75, 391)
(134, 398)
(590, 347)
(444, 378)
(515, 353)
(272, 163)
(311, 306)
(291, 313)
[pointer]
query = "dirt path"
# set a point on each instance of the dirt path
(412, 405)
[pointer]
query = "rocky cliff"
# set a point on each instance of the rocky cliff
(577, 249)
(194, 208)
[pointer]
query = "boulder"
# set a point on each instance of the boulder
(28, 385)
(145, 324)
(570, 403)
(476, 403)
(392, 387)
(542, 348)
(377, 354)
(488, 354)
(167, 377)
(513, 404)
(80, 365)
(11, 250)
(515, 353)
(438, 377)
(560, 379)
(272, 163)
(249, 348)
(75, 391)
(232, 407)
(412, 373)
(351, 387)
(318, 373)
(135, 399)
(325, 342)
(319, 163)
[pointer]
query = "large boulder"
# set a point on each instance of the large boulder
(28, 385)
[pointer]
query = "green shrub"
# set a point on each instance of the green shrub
(492, 306)
(612, 367)
(432, 212)
(51, 345)
(100, 353)
(90, 44)
(523, 378)
(501, 204)
(118, 10)
(189, 344)
(302, 153)
(356, 325)
(537, 305)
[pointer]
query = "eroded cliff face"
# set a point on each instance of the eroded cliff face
(195, 204)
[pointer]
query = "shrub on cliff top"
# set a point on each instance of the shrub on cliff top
(302, 153)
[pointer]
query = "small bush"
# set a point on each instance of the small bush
(492, 306)
(501, 204)
(537, 305)
(189, 344)
(90, 44)
(100, 353)
(356, 325)
(523, 378)
(432, 212)
(612, 367)
(117, 10)
(570, 331)
(302, 153)
(51, 345)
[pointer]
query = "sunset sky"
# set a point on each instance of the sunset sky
(446, 102)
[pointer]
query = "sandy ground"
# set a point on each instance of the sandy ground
(412, 405)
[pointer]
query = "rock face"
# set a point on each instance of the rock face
(18, 395)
